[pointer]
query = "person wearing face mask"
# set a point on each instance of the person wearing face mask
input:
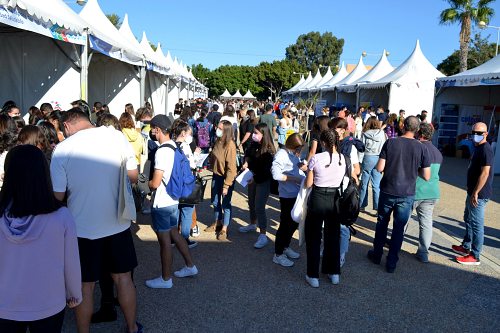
(479, 190)
(285, 169)
(182, 133)
(259, 159)
(223, 162)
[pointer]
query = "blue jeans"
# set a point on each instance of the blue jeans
(165, 218)
(425, 209)
(368, 172)
(401, 208)
(185, 219)
(474, 226)
(221, 203)
(257, 200)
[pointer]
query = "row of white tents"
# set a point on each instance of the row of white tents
(409, 86)
(237, 95)
(51, 54)
(455, 103)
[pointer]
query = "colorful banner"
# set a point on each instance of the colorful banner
(22, 20)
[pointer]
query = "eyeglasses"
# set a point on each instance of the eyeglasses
(477, 133)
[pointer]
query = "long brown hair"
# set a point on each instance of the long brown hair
(371, 123)
(227, 133)
(266, 144)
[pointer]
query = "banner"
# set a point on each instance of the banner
(320, 104)
(21, 20)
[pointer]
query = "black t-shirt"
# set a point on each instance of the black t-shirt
(403, 157)
(246, 127)
(214, 118)
(382, 116)
(259, 164)
(315, 137)
(483, 156)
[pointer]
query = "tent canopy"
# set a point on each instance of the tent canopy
(314, 81)
(304, 83)
(237, 94)
(381, 69)
(415, 69)
(355, 75)
(339, 76)
(298, 84)
(328, 76)
(248, 95)
(482, 75)
(106, 39)
(226, 94)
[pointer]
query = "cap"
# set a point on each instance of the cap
(161, 121)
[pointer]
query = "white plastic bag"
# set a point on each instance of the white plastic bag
(299, 210)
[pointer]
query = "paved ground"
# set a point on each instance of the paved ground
(240, 289)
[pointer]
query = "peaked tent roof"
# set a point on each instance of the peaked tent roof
(339, 76)
(297, 84)
(414, 69)
(237, 94)
(107, 39)
(249, 95)
(355, 75)
(226, 94)
(55, 11)
(151, 56)
(328, 76)
(485, 74)
(381, 69)
(314, 81)
(306, 82)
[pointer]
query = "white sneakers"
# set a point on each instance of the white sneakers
(335, 278)
(313, 282)
(261, 241)
(186, 271)
(283, 260)
(291, 253)
(248, 228)
(159, 283)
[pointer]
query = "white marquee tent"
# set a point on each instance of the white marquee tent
(41, 44)
(225, 94)
(466, 98)
(409, 87)
(358, 72)
(328, 76)
(248, 95)
(297, 87)
(237, 94)
(298, 84)
(316, 79)
(326, 90)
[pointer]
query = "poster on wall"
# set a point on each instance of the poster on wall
(320, 104)
(469, 115)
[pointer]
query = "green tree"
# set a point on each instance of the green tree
(115, 19)
(480, 51)
(466, 12)
(277, 76)
(201, 73)
(153, 46)
(314, 49)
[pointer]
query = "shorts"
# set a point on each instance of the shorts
(165, 218)
(114, 254)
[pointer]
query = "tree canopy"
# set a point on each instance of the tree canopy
(480, 51)
(115, 19)
(314, 49)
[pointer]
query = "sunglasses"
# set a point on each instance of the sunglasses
(477, 133)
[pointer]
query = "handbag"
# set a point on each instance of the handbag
(126, 203)
(196, 197)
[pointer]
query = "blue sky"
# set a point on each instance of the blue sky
(221, 32)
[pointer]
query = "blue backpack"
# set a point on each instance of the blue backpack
(182, 180)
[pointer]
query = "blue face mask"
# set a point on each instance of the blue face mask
(477, 138)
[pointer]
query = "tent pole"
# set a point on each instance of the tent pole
(84, 67)
(166, 96)
(142, 94)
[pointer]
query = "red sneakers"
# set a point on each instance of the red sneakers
(460, 250)
(468, 260)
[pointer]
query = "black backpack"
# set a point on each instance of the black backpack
(347, 204)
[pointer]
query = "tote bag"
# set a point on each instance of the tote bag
(126, 204)
(299, 210)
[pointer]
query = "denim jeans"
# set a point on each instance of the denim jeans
(221, 203)
(368, 172)
(257, 200)
(424, 209)
(474, 226)
(345, 236)
(185, 219)
(401, 208)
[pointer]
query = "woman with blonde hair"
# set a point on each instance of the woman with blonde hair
(134, 138)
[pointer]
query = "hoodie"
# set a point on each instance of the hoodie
(39, 265)
(373, 140)
(136, 140)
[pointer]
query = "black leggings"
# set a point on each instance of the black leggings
(52, 324)
(321, 209)
(287, 226)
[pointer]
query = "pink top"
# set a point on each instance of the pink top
(39, 265)
(327, 177)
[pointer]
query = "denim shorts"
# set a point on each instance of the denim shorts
(165, 218)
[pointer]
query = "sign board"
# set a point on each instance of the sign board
(320, 104)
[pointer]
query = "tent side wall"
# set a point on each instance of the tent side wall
(348, 99)
(114, 83)
(34, 69)
(173, 96)
(156, 91)
(413, 97)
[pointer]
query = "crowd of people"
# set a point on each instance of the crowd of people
(62, 173)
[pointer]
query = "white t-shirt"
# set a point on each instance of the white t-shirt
(87, 166)
(164, 161)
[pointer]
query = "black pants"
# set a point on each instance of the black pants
(287, 226)
(321, 209)
(52, 324)
(107, 291)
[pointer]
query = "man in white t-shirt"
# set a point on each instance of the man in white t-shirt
(165, 210)
(85, 169)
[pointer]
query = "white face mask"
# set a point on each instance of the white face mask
(477, 138)
(219, 133)
(188, 139)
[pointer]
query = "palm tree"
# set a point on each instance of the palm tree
(466, 12)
